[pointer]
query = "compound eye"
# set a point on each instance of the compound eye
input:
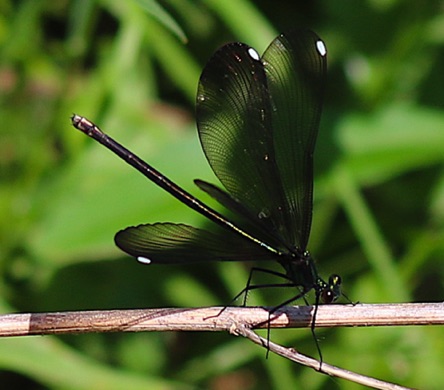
(334, 280)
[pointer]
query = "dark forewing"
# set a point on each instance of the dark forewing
(233, 118)
(296, 66)
(258, 132)
(169, 243)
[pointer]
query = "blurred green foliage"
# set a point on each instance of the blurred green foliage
(133, 68)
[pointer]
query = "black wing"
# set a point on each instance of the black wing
(260, 231)
(258, 120)
(170, 243)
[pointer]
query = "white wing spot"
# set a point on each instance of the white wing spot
(322, 50)
(143, 260)
(253, 54)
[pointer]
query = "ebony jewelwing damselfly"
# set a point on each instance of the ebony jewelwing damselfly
(258, 119)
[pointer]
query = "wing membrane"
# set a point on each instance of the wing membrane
(259, 231)
(233, 117)
(258, 122)
(170, 243)
(296, 68)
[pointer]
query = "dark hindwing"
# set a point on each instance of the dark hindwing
(257, 122)
(296, 71)
(170, 243)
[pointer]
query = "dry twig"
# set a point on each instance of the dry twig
(295, 356)
(237, 320)
(219, 319)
